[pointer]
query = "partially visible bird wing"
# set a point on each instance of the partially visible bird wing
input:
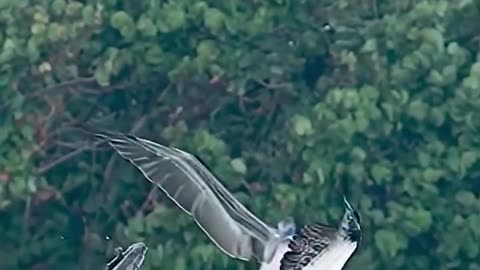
(309, 243)
(130, 259)
(116, 260)
(186, 181)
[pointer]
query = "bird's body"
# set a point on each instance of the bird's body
(234, 229)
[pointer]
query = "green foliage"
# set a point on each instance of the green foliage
(289, 116)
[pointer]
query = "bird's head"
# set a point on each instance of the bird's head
(351, 222)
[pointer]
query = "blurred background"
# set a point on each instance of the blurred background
(291, 103)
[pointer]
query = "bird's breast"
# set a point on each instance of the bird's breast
(334, 257)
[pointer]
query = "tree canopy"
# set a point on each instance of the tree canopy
(292, 103)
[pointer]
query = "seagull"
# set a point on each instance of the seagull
(226, 222)
(130, 259)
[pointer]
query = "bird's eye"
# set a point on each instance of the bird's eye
(357, 216)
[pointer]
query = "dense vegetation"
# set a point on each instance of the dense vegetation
(292, 103)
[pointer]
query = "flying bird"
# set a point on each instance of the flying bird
(227, 223)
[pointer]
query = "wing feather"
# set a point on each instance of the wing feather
(194, 189)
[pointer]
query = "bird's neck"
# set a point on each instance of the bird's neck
(348, 234)
(342, 232)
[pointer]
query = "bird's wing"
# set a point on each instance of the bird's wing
(306, 245)
(133, 257)
(116, 260)
(130, 259)
(186, 181)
